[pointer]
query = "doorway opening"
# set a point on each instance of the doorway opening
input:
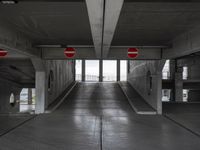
(78, 70)
(109, 70)
(27, 100)
(123, 70)
(92, 70)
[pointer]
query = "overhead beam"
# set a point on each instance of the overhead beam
(95, 12)
(183, 45)
(12, 40)
(111, 17)
(114, 53)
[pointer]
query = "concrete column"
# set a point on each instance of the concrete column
(83, 70)
(74, 70)
(40, 92)
(128, 67)
(178, 84)
(29, 96)
(40, 85)
(118, 70)
(100, 70)
(158, 85)
(172, 68)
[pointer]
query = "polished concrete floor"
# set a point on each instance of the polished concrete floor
(97, 116)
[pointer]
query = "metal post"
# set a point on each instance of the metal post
(100, 70)
(29, 96)
(118, 70)
(83, 70)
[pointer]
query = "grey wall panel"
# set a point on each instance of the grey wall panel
(146, 78)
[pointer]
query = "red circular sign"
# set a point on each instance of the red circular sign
(69, 52)
(3, 53)
(132, 52)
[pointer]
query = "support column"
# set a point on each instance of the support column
(40, 85)
(128, 67)
(178, 84)
(158, 83)
(40, 92)
(74, 70)
(172, 67)
(100, 70)
(83, 70)
(118, 70)
(29, 96)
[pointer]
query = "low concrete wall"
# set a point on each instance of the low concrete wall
(59, 75)
(146, 78)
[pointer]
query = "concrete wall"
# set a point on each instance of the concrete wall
(61, 77)
(6, 88)
(146, 78)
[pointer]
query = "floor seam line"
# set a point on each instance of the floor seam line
(181, 125)
(15, 127)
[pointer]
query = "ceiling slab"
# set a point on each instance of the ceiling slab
(112, 12)
(95, 12)
(50, 22)
(155, 23)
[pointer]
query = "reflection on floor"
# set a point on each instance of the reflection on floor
(97, 116)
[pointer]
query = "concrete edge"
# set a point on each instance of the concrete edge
(132, 105)
(62, 99)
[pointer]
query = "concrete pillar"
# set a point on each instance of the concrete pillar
(178, 84)
(40, 92)
(172, 68)
(40, 85)
(118, 70)
(74, 70)
(83, 70)
(158, 85)
(100, 70)
(128, 67)
(29, 96)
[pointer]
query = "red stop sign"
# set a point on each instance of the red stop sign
(69, 52)
(132, 52)
(3, 53)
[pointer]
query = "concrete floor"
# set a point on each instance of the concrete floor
(186, 114)
(97, 116)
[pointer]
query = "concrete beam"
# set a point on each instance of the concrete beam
(112, 13)
(58, 53)
(12, 40)
(114, 53)
(143, 53)
(185, 44)
(95, 12)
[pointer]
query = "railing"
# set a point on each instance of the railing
(96, 78)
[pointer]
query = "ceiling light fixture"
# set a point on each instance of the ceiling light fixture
(9, 1)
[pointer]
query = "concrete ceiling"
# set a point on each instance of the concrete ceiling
(50, 23)
(66, 22)
(154, 23)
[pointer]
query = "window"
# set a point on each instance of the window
(78, 70)
(123, 70)
(166, 70)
